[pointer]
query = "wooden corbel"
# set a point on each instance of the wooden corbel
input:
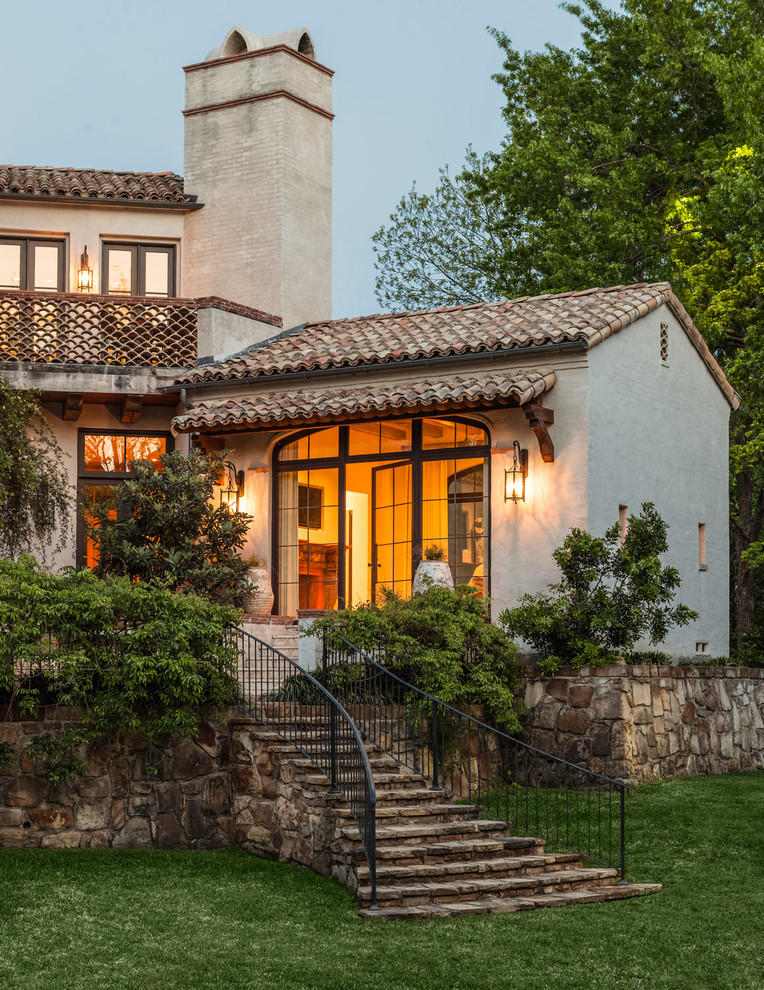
(132, 407)
(540, 419)
(72, 406)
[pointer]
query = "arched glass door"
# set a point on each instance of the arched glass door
(357, 505)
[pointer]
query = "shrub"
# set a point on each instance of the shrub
(131, 655)
(442, 641)
(613, 592)
(170, 527)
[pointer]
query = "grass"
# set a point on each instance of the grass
(109, 920)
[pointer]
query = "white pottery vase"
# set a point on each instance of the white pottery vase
(431, 573)
(260, 592)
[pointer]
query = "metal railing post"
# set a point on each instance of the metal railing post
(332, 720)
(623, 833)
(435, 754)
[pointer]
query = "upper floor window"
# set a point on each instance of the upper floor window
(30, 263)
(138, 269)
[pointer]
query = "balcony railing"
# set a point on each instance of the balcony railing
(64, 328)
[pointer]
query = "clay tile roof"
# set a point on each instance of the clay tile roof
(590, 316)
(303, 407)
(93, 184)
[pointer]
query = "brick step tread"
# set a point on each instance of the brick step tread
(458, 850)
(504, 905)
(431, 830)
(407, 779)
(464, 811)
(499, 886)
(547, 863)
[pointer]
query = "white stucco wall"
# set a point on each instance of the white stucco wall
(88, 224)
(659, 433)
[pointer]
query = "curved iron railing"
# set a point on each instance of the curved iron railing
(573, 808)
(277, 691)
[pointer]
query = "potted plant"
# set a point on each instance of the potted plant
(259, 600)
(433, 570)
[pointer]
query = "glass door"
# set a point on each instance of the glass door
(391, 530)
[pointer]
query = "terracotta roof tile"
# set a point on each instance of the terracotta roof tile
(510, 323)
(590, 316)
(79, 183)
(304, 407)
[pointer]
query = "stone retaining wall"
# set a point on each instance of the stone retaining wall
(227, 788)
(641, 723)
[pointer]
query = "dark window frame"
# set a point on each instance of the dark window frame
(27, 265)
(138, 251)
(417, 455)
(306, 513)
(115, 478)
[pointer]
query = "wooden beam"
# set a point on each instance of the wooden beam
(540, 419)
(132, 407)
(72, 407)
(210, 444)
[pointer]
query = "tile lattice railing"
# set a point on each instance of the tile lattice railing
(64, 328)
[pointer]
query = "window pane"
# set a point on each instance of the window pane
(120, 271)
(10, 266)
(157, 273)
(380, 438)
(46, 267)
(145, 449)
(324, 443)
(103, 497)
(444, 433)
(104, 453)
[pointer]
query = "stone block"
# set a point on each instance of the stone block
(688, 715)
(8, 732)
(118, 814)
(207, 739)
(260, 834)
(96, 840)
(609, 704)
(656, 699)
(61, 840)
(534, 692)
(601, 741)
(135, 835)
(216, 799)
(580, 695)
(51, 818)
(11, 817)
(545, 714)
(94, 787)
(573, 720)
(167, 794)
(557, 688)
(263, 763)
(191, 760)
(169, 834)
(246, 779)
(194, 822)
(26, 791)
(92, 815)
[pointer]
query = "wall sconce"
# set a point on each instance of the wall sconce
(514, 477)
(85, 273)
(234, 487)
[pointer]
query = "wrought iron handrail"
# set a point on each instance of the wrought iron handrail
(277, 691)
(536, 792)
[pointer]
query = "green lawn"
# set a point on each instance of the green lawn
(195, 921)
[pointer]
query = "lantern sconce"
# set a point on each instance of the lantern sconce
(85, 273)
(234, 487)
(514, 477)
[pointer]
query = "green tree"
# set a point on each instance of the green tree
(34, 488)
(170, 527)
(613, 591)
(606, 144)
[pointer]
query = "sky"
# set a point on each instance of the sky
(100, 85)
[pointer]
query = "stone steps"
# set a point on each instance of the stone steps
(505, 905)
(435, 857)
(431, 891)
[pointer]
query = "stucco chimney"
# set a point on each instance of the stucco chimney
(258, 155)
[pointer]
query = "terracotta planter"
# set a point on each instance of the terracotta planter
(259, 601)
(432, 572)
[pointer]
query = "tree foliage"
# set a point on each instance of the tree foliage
(131, 655)
(442, 641)
(34, 487)
(613, 591)
(635, 157)
(170, 527)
